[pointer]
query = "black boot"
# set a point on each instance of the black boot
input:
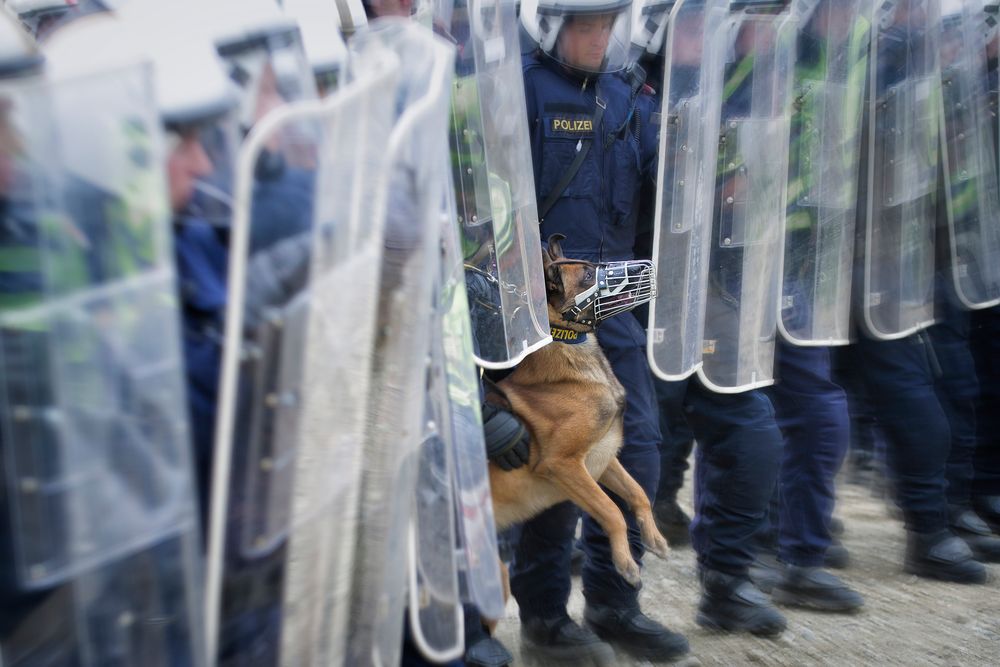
(837, 557)
(487, 652)
(634, 632)
(814, 588)
(734, 603)
(481, 649)
(673, 522)
(766, 571)
(976, 533)
(988, 509)
(942, 556)
(559, 639)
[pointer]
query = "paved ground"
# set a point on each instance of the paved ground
(906, 621)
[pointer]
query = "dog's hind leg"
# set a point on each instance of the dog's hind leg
(617, 479)
(571, 476)
(491, 624)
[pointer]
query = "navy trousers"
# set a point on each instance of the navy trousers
(812, 413)
(986, 350)
(957, 389)
(678, 438)
(900, 376)
(736, 467)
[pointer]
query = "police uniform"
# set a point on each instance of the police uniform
(597, 213)
(900, 376)
(811, 408)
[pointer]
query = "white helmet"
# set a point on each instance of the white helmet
(18, 52)
(649, 25)
(991, 18)
(544, 20)
(319, 23)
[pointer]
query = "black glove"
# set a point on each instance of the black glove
(506, 437)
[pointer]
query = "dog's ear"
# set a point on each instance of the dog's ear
(553, 280)
(555, 249)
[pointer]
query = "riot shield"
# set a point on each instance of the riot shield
(494, 186)
(830, 74)
(904, 114)
(414, 206)
(262, 382)
(972, 192)
(346, 252)
(692, 93)
(453, 483)
(99, 528)
(749, 201)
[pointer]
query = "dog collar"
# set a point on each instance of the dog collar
(567, 336)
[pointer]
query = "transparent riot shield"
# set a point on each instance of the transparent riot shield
(417, 151)
(453, 483)
(435, 610)
(831, 67)
(494, 183)
(972, 192)
(749, 202)
(904, 117)
(692, 94)
(98, 517)
(296, 382)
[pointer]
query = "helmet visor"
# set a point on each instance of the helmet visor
(585, 36)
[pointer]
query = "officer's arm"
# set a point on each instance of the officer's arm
(534, 128)
(648, 108)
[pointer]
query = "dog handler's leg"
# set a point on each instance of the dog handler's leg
(619, 482)
(572, 477)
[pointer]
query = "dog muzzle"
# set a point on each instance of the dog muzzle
(620, 287)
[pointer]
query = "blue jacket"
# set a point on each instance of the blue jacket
(597, 211)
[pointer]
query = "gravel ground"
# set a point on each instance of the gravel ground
(906, 620)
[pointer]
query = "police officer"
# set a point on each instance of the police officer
(896, 302)
(811, 409)
(677, 443)
(738, 441)
(593, 141)
(967, 276)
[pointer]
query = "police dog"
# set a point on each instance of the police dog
(572, 404)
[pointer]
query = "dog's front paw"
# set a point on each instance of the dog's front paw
(629, 570)
(653, 540)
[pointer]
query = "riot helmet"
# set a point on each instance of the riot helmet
(319, 22)
(649, 26)
(584, 35)
(195, 101)
(38, 16)
(352, 17)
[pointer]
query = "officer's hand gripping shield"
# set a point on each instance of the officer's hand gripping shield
(692, 94)
(494, 186)
(831, 67)
(99, 500)
(972, 192)
(415, 207)
(749, 200)
(904, 117)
